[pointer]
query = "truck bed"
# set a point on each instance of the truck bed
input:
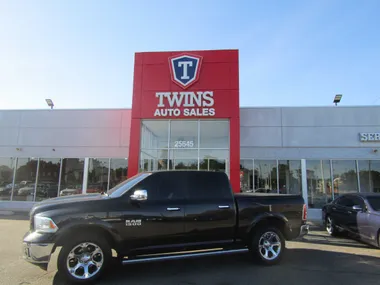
(266, 197)
(286, 207)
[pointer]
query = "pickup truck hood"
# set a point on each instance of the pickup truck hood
(66, 202)
(73, 198)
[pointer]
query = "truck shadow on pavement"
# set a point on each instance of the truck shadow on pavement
(298, 266)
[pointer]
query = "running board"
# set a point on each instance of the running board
(183, 256)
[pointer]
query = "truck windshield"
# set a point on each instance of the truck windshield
(120, 188)
(374, 202)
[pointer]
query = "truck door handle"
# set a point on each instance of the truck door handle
(224, 207)
(173, 209)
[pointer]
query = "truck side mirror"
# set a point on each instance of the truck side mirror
(139, 195)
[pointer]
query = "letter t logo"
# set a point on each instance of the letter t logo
(185, 69)
(185, 64)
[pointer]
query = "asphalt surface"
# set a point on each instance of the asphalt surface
(315, 259)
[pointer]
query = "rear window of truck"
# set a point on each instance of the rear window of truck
(208, 185)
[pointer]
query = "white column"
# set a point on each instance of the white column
(109, 174)
(14, 176)
(60, 177)
(304, 181)
(358, 174)
(278, 177)
(85, 175)
(332, 180)
(36, 182)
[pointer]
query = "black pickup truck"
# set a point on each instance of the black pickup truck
(159, 216)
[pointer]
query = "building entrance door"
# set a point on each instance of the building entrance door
(185, 144)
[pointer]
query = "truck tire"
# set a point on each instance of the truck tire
(268, 245)
(84, 258)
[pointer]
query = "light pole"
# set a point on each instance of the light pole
(337, 99)
(50, 103)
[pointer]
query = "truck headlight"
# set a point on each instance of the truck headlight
(44, 225)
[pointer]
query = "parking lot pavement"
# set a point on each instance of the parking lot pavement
(315, 259)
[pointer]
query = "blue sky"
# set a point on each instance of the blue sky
(292, 53)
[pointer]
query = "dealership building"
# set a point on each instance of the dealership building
(186, 115)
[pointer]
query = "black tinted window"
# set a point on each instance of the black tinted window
(374, 202)
(150, 185)
(172, 185)
(120, 188)
(345, 201)
(163, 186)
(208, 185)
(358, 201)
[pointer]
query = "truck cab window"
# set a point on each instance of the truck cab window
(124, 186)
(208, 185)
(164, 186)
(150, 185)
(171, 186)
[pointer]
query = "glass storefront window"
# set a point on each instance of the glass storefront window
(98, 169)
(6, 177)
(214, 164)
(213, 160)
(153, 159)
(265, 176)
(72, 176)
(369, 171)
(289, 174)
(214, 134)
(256, 175)
(48, 178)
(214, 153)
(185, 164)
(154, 134)
(183, 134)
(25, 180)
(183, 159)
(319, 188)
(118, 171)
(345, 177)
(186, 149)
(246, 175)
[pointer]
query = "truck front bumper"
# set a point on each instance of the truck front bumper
(37, 253)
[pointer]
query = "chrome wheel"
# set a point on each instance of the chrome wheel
(329, 226)
(269, 245)
(85, 260)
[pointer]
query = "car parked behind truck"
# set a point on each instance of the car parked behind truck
(355, 213)
(158, 216)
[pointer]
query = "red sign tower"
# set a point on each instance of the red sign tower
(194, 85)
